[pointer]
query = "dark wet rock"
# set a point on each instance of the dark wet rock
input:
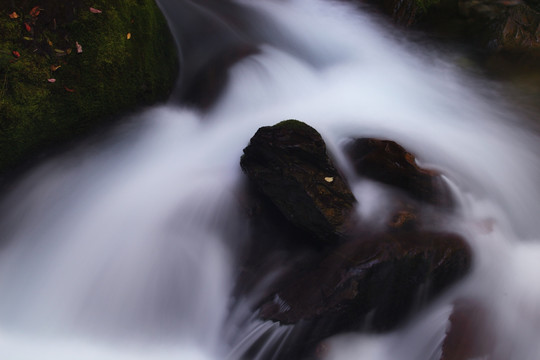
(204, 86)
(212, 38)
(404, 12)
(521, 28)
(469, 336)
(289, 164)
(373, 283)
(388, 162)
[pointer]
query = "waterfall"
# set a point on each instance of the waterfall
(126, 247)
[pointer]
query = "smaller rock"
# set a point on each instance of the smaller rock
(388, 162)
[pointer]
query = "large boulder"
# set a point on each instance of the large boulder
(212, 36)
(384, 276)
(289, 164)
(69, 66)
(388, 162)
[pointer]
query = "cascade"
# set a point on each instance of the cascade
(127, 247)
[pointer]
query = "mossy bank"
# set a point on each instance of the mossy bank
(67, 66)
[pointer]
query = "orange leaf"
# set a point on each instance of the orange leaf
(28, 27)
(68, 89)
(13, 15)
(55, 67)
(35, 11)
(16, 54)
(95, 11)
(128, 36)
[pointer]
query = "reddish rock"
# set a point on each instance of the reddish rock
(388, 162)
(469, 335)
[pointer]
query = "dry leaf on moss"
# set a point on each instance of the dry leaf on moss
(35, 11)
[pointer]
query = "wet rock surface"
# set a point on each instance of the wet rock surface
(289, 164)
(389, 163)
(382, 275)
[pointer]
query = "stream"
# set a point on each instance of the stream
(127, 246)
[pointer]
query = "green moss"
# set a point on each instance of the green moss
(292, 124)
(113, 73)
(424, 5)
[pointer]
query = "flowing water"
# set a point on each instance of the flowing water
(126, 248)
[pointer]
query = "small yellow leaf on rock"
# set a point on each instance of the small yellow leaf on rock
(329, 179)
(128, 36)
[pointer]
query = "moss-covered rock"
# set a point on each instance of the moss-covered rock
(64, 68)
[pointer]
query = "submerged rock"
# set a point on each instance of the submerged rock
(371, 283)
(388, 162)
(289, 164)
(470, 334)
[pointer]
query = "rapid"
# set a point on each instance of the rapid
(127, 247)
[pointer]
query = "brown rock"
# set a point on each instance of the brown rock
(469, 335)
(387, 162)
(382, 276)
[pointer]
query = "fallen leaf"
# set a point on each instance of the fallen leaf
(27, 38)
(16, 54)
(329, 179)
(51, 80)
(68, 51)
(95, 11)
(128, 36)
(13, 15)
(49, 42)
(28, 27)
(35, 11)
(79, 47)
(55, 67)
(68, 89)
(58, 51)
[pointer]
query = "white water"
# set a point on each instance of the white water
(126, 249)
